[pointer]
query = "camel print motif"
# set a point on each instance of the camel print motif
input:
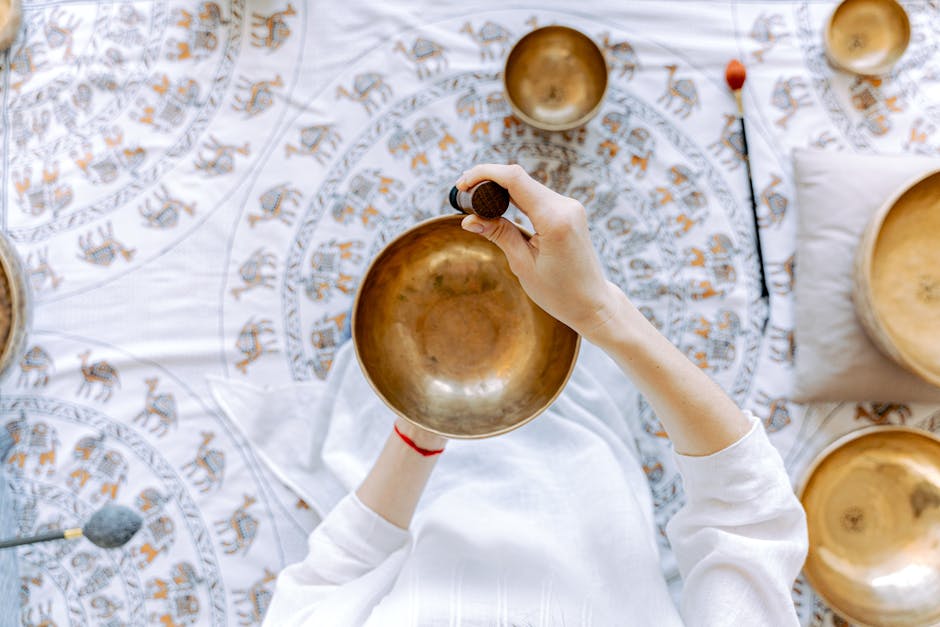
(253, 272)
(221, 159)
(492, 38)
(99, 373)
(775, 203)
(35, 360)
(209, 463)
(257, 598)
(731, 141)
(252, 344)
(426, 56)
(243, 528)
(680, 90)
(789, 95)
(258, 97)
(368, 89)
(620, 56)
(105, 250)
(316, 141)
(275, 204)
(767, 31)
(271, 31)
(160, 406)
(168, 211)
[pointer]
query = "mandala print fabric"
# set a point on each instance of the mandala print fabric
(196, 188)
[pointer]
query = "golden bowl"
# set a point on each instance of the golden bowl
(867, 36)
(15, 307)
(555, 78)
(449, 340)
(897, 278)
(872, 501)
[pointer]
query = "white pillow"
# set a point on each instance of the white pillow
(837, 193)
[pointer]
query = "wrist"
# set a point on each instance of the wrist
(611, 319)
(422, 438)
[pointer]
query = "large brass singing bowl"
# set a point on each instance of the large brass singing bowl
(449, 340)
(555, 78)
(872, 503)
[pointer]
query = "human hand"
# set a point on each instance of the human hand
(558, 267)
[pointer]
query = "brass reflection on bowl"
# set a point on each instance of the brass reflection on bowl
(15, 307)
(867, 36)
(872, 501)
(555, 78)
(897, 278)
(449, 340)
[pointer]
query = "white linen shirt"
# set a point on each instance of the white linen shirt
(552, 525)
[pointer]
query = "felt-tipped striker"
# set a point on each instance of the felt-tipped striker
(110, 527)
(735, 75)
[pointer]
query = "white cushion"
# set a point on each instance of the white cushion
(837, 194)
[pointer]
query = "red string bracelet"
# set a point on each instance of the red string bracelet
(423, 451)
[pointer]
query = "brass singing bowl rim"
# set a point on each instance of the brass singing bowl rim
(377, 259)
(878, 70)
(810, 471)
(535, 122)
(863, 293)
(20, 307)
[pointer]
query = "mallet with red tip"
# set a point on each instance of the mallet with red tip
(735, 74)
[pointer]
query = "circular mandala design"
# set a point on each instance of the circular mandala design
(95, 429)
(118, 112)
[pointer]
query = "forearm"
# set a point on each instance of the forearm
(697, 415)
(394, 486)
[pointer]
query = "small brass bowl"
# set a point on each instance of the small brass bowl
(15, 308)
(449, 340)
(867, 37)
(872, 501)
(555, 78)
(897, 278)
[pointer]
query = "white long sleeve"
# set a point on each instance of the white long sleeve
(741, 538)
(352, 544)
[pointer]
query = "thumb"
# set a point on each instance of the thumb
(504, 234)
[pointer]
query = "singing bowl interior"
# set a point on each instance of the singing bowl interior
(867, 36)
(872, 503)
(449, 340)
(897, 278)
(555, 78)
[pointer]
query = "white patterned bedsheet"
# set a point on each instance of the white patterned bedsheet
(197, 187)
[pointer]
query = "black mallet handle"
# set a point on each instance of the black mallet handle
(764, 292)
(61, 534)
